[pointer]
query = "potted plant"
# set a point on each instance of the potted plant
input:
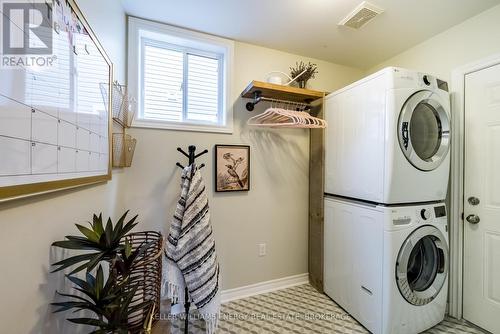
(111, 298)
(304, 72)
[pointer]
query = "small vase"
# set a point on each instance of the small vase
(302, 84)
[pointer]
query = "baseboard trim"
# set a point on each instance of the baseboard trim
(264, 287)
(252, 290)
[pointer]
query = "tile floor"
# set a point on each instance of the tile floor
(297, 310)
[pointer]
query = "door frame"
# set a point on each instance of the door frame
(457, 175)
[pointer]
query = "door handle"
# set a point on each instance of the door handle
(404, 134)
(473, 200)
(473, 219)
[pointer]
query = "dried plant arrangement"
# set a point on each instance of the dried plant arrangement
(308, 71)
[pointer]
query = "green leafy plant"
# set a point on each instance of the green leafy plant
(105, 241)
(110, 300)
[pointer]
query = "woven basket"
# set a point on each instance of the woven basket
(123, 149)
(147, 274)
(123, 106)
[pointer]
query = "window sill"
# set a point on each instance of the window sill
(151, 124)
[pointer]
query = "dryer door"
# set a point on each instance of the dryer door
(422, 265)
(424, 130)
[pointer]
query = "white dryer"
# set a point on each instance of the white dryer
(387, 266)
(388, 138)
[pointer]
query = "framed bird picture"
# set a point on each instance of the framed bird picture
(232, 168)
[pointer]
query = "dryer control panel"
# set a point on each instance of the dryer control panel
(407, 78)
(426, 80)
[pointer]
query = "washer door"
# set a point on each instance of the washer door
(422, 265)
(424, 131)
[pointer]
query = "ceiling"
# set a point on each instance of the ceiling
(309, 27)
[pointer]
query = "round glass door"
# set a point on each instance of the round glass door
(422, 265)
(424, 131)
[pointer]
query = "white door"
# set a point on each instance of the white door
(482, 199)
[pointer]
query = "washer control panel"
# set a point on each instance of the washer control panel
(405, 216)
(440, 211)
(431, 212)
(424, 214)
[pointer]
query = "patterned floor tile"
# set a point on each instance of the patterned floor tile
(297, 310)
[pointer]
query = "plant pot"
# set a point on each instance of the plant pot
(302, 84)
(147, 277)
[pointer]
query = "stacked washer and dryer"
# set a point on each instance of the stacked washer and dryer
(387, 167)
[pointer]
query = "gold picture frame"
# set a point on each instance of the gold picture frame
(23, 190)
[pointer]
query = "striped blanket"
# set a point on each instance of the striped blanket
(190, 251)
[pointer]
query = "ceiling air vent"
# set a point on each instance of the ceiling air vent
(361, 15)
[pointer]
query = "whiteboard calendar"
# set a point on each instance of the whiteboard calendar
(54, 112)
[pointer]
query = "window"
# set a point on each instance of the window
(52, 91)
(180, 78)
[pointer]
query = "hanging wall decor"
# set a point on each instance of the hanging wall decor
(55, 127)
(232, 168)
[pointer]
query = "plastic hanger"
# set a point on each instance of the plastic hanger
(286, 117)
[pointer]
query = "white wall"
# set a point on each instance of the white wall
(274, 211)
(29, 226)
(469, 41)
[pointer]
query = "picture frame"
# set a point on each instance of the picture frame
(78, 35)
(232, 168)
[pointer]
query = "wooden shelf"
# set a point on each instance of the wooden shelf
(280, 92)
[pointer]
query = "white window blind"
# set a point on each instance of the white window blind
(92, 72)
(163, 78)
(202, 88)
(180, 85)
(49, 88)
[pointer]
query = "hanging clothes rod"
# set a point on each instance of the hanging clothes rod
(258, 98)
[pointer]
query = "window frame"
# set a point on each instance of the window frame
(188, 42)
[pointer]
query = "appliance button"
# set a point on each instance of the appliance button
(425, 214)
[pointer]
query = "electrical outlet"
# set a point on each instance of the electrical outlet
(262, 249)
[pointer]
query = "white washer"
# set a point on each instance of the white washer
(388, 138)
(387, 265)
